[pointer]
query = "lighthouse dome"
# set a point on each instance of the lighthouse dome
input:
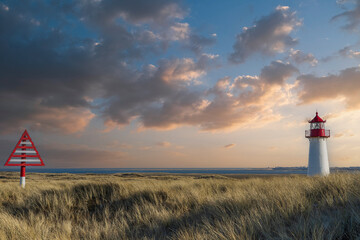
(317, 119)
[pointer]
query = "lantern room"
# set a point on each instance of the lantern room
(317, 128)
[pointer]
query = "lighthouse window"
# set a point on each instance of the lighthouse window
(315, 126)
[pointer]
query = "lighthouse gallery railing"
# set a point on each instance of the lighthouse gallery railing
(326, 133)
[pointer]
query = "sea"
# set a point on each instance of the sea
(276, 170)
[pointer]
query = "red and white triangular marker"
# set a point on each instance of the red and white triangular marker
(24, 154)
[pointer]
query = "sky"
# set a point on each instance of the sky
(179, 84)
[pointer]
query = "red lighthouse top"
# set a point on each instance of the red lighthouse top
(317, 128)
(317, 119)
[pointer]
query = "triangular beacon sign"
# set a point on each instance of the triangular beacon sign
(24, 154)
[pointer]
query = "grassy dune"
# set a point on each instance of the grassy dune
(136, 206)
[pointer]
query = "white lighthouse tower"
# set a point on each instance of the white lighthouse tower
(318, 156)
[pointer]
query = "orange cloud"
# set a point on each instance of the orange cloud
(345, 133)
(234, 103)
(231, 145)
(20, 114)
(81, 156)
(163, 144)
(344, 86)
(67, 120)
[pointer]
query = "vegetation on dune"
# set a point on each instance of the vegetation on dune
(136, 206)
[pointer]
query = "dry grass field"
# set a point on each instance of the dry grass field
(161, 206)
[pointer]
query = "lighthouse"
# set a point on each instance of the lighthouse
(318, 156)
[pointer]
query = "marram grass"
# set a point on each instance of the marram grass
(137, 206)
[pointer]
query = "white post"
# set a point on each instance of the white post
(22, 182)
(22, 176)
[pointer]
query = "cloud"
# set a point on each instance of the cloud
(300, 57)
(331, 115)
(179, 31)
(146, 148)
(269, 35)
(233, 103)
(156, 88)
(80, 60)
(348, 52)
(158, 11)
(115, 144)
(273, 148)
(352, 17)
(163, 17)
(231, 145)
(71, 155)
(277, 72)
(344, 85)
(163, 144)
(344, 133)
(4, 7)
(52, 73)
(341, 2)
(81, 156)
(345, 52)
(20, 112)
(197, 43)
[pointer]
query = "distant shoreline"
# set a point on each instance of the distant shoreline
(252, 171)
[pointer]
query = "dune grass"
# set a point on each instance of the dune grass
(141, 206)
